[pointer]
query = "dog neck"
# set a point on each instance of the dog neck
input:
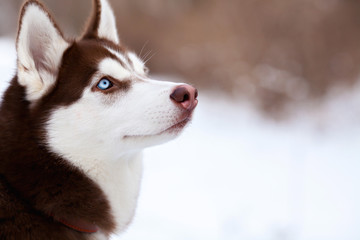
(120, 182)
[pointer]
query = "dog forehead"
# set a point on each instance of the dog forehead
(113, 68)
(129, 60)
(86, 58)
(93, 51)
(111, 59)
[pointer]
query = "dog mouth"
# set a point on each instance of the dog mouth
(174, 129)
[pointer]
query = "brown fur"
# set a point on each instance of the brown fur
(38, 188)
(36, 182)
(94, 22)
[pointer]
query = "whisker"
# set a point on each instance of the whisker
(143, 47)
(150, 57)
(146, 55)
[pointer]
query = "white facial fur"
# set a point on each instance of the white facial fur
(103, 134)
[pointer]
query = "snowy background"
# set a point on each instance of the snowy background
(236, 175)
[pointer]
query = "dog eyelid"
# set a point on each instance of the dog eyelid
(115, 85)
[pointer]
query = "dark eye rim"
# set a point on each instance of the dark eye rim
(104, 78)
(116, 85)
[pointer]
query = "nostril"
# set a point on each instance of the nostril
(180, 95)
(196, 93)
(186, 98)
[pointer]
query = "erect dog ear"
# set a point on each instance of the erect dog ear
(102, 23)
(40, 47)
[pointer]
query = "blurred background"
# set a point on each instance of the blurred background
(274, 52)
(273, 152)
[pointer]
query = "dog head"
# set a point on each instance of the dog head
(92, 96)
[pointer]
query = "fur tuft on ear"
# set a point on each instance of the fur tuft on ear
(40, 46)
(102, 23)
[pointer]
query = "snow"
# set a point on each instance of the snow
(235, 174)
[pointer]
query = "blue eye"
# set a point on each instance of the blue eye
(104, 84)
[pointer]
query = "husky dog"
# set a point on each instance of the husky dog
(73, 123)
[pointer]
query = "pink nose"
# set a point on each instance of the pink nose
(185, 96)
